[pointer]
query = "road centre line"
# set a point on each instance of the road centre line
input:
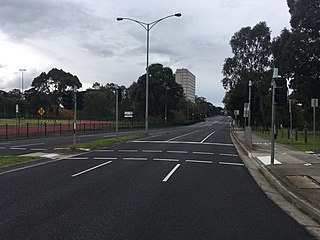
(90, 169)
(182, 152)
(207, 137)
(228, 155)
(182, 135)
(198, 161)
(166, 159)
(229, 163)
(203, 153)
(136, 159)
(171, 173)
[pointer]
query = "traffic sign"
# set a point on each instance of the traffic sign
(41, 111)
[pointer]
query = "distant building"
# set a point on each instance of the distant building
(188, 82)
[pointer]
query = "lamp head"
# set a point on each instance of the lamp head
(119, 19)
(178, 14)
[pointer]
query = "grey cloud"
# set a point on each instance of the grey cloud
(22, 19)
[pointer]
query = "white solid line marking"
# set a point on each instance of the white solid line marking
(182, 152)
(38, 149)
(124, 150)
(198, 161)
(27, 167)
(3, 148)
(152, 151)
(15, 148)
(137, 159)
(207, 137)
(228, 155)
(108, 136)
(90, 169)
(27, 145)
(77, 158)
(229, 163)
(83, 136)
(105, 158)
(203, 153)
(170, 173)
(166, 159)
(182, 136)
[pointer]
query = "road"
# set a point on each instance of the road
(187, 184)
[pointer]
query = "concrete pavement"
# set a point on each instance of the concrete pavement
(295, 174)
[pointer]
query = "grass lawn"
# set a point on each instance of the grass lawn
(6, 161)
(299, 144)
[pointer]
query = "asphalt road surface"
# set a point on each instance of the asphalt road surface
(188, 184)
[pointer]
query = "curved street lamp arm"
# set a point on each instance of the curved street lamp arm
(159, 20)
(143, 24)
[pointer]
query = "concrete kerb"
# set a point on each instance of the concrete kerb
(300, 203)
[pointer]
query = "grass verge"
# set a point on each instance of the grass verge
(299, 144)
(103, 142)
(6, 161)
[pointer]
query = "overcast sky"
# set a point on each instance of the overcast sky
(83, 37)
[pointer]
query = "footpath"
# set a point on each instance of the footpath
(294, 174)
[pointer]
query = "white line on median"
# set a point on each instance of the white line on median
(171, 172)
(16, 148)
(229, 163)
(90, 169)
(27, 145)
(198, 161)
(38, 149)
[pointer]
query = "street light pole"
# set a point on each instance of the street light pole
(249, 104)
(22, 70)
(148, 27)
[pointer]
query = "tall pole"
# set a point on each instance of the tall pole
(275, 75)
(117, 111)
(249, 104)
(22, 70)
(290, 113)
(147, 81)
(74, 115)
(148, 27)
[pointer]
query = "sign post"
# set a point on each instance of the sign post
(314, 104)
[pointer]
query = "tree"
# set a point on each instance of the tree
(163, 91)
(298, 52)
(53, 84)
(251, 48)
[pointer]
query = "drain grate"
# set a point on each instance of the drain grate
(303, 182)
